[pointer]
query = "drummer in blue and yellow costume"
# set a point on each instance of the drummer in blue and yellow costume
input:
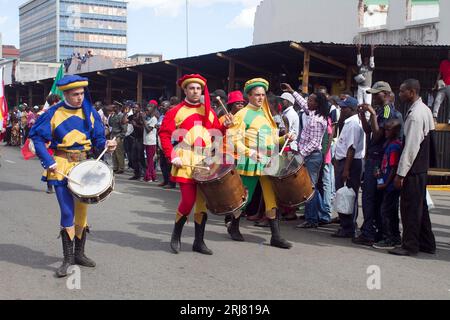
(72, 127)
(255, 135)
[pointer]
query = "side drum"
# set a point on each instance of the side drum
(96, 181)
(222, 187)
(291, 182)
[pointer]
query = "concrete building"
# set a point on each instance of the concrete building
(421, 22)
(22, 71)
(52, 30)
(10, 52)
(146, 58)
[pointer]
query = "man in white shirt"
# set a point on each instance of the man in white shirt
(348, 162)
(150, 141)
(290, 117)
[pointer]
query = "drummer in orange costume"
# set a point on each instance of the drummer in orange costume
(72, 127)
(192, 124)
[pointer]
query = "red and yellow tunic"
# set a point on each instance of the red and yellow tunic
(186, 124)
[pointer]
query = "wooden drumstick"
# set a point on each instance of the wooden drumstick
(223, 106)
(284, 147)
(68, 178)
(104, 151)
(196, 167)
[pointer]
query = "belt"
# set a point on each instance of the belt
(71, 156)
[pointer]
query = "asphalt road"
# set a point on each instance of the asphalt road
(130, 243)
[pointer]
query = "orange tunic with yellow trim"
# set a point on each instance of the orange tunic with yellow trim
(186, 125)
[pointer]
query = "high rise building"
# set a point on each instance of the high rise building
(53, 30)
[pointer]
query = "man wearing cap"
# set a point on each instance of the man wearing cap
(348, 162)
(192, 125)
(255, 136)
(290, 117)
(381, 112)
(73, 127)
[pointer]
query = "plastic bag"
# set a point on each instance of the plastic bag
(345, 200)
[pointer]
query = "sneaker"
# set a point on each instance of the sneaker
(361, 240)
(384, 245)
(307, 225)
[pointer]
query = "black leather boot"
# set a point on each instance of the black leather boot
(69, 258)
(233, 229)
(175, 242)
(277, 240)
(199, 245)
(80, 258)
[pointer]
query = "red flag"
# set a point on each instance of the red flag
(28, 151)
(3, 104)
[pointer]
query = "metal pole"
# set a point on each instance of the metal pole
(187, 28)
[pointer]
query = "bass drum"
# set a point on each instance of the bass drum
(291, 182)
(222, 187)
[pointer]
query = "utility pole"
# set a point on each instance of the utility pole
(187, 28)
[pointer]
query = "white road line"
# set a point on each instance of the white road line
(9, 161)
(117, 192)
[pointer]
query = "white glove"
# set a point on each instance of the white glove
(177, 162)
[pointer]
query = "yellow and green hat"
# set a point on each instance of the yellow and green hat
(257, 82)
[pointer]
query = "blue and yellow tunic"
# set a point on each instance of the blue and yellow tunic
(67, 129)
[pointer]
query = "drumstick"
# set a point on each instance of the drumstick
(196, 167)
(284, 147)
(223, 106)
(68, 178)
(104, 151)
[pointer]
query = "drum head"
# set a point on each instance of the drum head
(216, 171)
(94, 177)
(282, 167)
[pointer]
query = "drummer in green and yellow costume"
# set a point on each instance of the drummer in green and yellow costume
(255, 135)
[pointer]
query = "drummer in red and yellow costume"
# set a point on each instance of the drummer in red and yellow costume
(256, 138)
(192, 124)
(72, 127)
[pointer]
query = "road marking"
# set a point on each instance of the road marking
(438, 188)
(9, 161)
(117, 192)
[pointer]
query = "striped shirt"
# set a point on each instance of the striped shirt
(315, 127)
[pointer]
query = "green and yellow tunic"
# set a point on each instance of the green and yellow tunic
(253, 131)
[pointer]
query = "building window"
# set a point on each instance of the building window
(422, 9)
(373, 13)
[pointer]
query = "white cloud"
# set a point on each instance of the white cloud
(174, 8)
(244, 20)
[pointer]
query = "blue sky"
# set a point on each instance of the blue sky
(158, 26)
